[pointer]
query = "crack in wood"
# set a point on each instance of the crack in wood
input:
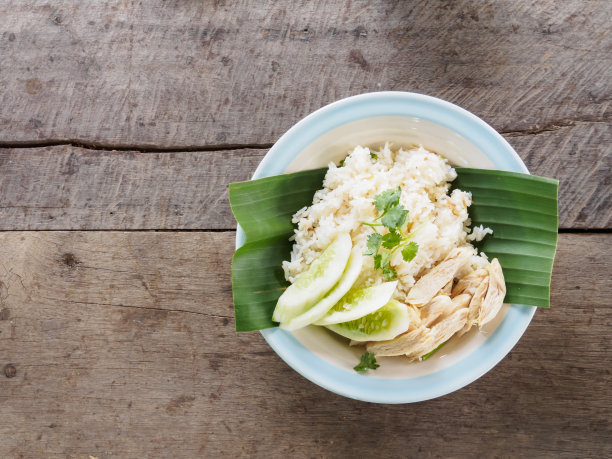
(134, 148)
(554, 126)
(148, 148)
(585, 230)
(126, 230)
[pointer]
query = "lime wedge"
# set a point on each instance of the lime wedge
(350, 275)
(315, 283)
(358, 303)
(386, 323)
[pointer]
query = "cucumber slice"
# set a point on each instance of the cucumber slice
(314, 284)
(350, 275)
(386, 323)
(358, 303)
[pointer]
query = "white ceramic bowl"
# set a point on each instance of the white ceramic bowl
(403, 119)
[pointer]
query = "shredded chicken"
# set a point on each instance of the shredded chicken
(447, 289)
(460, 302)
(445, 329)
(427, 286)
(414, 316)
(496, 292)
(434, 309)
(442, 308)
(416, 339)
(470, 283)
(474, 306)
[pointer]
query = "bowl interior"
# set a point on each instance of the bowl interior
(400, 131)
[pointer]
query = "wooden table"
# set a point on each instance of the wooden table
(121, 124)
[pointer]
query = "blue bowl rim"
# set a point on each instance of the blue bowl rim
(370, 388)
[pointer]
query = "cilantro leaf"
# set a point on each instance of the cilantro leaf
(395, 217)
(377, 261)
(389, 273)
(410, 251)
(387, 199)
(373, 155)
(374, 241)
(391, 239)
(367, 362)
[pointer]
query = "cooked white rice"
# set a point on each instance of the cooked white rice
(346, 201)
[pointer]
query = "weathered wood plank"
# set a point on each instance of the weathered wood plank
(580, 157)
(191, 73)
(65, 187)
(123, 346)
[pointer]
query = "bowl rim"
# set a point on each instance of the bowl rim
(370, 388)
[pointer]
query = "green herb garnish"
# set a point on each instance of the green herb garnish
(394, 217)
(367, 362)
(391, 239)
(430, 353)
(410, 251)
(387, 199)
(374, 241)
(389, 272)
(341, 163)
(373, 155)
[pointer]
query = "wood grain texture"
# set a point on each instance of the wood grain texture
(122, 345)
(580, 157)
(192, 73)
(71, 188)
(65, 187)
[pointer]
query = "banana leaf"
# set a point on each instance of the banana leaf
(263, 209)
(521, 209)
